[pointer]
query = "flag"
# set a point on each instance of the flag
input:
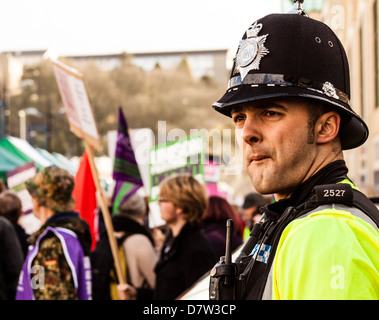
(125, 169)
(84, 194)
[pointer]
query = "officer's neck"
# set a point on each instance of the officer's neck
(321, 161)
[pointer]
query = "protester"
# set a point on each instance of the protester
(289, 97)
(11, 259)
(137, 252)
(11, 208)
(57, 266)
(250, 211)
(213, 225)
(186, 254)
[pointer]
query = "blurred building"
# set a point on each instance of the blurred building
(11, 73)
(356, 24)
(204, 63)
(209, 63)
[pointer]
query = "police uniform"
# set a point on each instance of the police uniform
(322, 242)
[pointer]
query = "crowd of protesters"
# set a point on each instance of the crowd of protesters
(56, 261)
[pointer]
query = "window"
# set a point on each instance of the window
(362, 78)
(376, 181)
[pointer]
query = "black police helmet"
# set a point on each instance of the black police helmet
(292, 55)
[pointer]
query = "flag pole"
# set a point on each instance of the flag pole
(106, 215)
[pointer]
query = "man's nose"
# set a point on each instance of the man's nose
(249, 132)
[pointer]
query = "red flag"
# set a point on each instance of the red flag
(84, 194)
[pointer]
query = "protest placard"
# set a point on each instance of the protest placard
(82, 123)
(77, 103)
(16, 181)
(181, 156)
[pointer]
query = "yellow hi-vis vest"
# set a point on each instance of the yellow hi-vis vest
(328, 254)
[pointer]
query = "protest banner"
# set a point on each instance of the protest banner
(16, 181)
(82, 123)
(181, 156)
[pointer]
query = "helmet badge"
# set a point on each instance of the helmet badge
(251, 50)
(329, 90)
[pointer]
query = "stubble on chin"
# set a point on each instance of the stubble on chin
(259, 180)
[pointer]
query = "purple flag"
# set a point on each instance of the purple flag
(125, 168)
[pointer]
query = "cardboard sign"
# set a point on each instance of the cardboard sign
(76, 101)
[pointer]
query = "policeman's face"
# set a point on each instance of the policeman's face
(274, 136)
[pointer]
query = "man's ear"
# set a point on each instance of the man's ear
(327, 127)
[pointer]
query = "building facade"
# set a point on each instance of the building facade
(356, 24)
(210, 63)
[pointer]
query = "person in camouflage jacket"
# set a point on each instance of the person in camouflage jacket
(60, 248)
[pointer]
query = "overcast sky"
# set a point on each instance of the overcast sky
(76, 27)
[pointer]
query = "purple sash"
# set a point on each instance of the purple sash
(79, 264)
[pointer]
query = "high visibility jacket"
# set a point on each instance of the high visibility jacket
(325, 246)
(331, 253)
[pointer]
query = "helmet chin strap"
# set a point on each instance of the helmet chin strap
(297, 8)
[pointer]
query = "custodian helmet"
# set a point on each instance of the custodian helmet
(292, 55)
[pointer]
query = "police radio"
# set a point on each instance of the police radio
(223, 274)
(228, 279)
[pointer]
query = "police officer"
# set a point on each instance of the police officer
(288, 96)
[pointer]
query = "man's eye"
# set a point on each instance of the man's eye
(270, 113)
(238, 118)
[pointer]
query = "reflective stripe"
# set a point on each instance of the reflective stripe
(347, 181)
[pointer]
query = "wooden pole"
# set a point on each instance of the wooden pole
(106, 215)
